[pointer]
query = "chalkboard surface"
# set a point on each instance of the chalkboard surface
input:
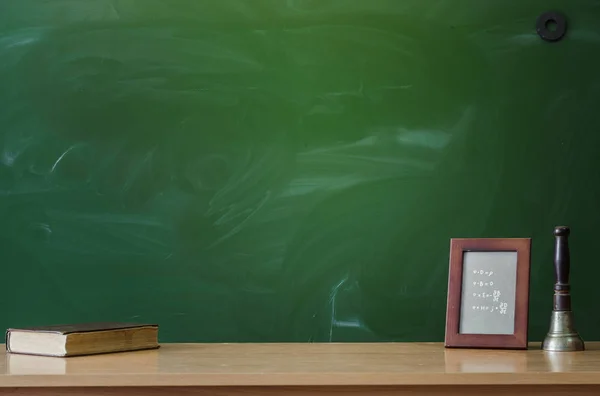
(488, 293)
(269, 170)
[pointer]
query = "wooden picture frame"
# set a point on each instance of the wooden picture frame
(517, 338)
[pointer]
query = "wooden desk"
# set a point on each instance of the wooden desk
(306, 369)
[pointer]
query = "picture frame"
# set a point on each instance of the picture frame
(492, 309)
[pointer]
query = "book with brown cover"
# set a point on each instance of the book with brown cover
(82, 339)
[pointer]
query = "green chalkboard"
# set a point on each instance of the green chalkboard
(289, 170)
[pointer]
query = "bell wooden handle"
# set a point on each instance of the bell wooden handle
(562, 268)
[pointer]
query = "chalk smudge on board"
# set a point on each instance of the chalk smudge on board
(375, 157)
(332, 301)
(62, 156)
(247, 218)
(132, 235)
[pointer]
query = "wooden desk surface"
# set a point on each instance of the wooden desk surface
(381, 364)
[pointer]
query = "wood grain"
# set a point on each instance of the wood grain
(256, 365)
(504, 390)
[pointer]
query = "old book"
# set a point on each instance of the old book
(82, 339)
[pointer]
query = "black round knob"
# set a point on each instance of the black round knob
(562, 231)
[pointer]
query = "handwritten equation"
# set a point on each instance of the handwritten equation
(490, 297)
(488, 293)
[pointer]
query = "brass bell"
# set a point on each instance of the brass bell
(562, 336)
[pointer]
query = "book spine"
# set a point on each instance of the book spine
(7, 340)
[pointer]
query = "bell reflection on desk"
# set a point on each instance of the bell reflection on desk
(484, 361)
(558, 362)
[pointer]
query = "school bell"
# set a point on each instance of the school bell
(562, 336)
